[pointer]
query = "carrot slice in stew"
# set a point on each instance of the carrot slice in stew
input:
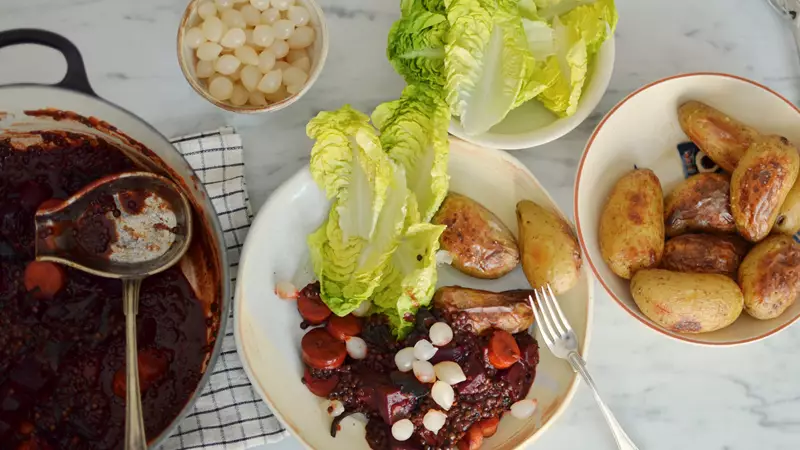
(489, 426)
(503, 350)
(311, 307)
(152, 365)
(321, 350)
(50, 203)
(472, 440)
(45, 279)
(342, 327)
(318, 386)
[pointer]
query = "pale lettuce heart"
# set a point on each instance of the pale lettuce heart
(567, 70)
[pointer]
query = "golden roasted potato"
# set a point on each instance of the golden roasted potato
(632, 224)
(705, 253)
(788, 221)
(481, 245)
(700, 203)
(550, 251)
(687, 302)
(760, 184)
(724, 139)
(509, 310)
(770, 276)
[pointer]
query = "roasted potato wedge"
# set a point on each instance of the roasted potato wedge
(509, 310)
(760, 184)
(723, 138)
(770, 277)
(700, 203)
(632, 224)
(788, 221)
(705, 253)
(550, 252)
(480, 244)
(687, 302)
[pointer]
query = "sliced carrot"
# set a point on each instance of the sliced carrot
(311, 307)
(488, 426)
(472, 440)
(503, 350)
(321, 350)
(343, 327)
(152, 365)
(50, 203)
(320, 387)
(45, 279)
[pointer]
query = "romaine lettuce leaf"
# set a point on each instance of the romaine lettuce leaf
(595, 22)
(567, 69)
(416, 45)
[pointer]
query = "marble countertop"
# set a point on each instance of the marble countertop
(668, 395)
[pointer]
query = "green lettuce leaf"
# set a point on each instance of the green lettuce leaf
(595, 22)
(416, 45)
(413, 131)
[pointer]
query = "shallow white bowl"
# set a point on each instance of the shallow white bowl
(267, 328)
(643, 130)
(532, 124)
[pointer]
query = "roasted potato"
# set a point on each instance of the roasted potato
(760, 184)
(724, 139)
(632, 224)
(687, 302)
(788, 221)
(550, 251)
(705, 253)
(481, 245)
(509, 310)
(700, 203)
(770, 277)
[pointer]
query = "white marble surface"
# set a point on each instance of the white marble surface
(668, 395)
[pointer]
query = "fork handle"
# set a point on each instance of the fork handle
(623, 441)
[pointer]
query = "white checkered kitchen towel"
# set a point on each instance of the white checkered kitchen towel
(229, 414)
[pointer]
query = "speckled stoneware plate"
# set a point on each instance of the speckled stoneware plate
(267, 328)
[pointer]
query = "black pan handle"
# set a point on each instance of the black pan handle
(75, 78)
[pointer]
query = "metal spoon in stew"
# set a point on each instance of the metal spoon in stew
(126, 226)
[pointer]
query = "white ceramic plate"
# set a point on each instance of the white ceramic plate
(267, 328)
(643, 130)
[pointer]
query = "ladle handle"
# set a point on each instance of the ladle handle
(135, 438)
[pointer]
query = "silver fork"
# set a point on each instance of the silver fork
(559, 337)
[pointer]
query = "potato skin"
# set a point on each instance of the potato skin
(687, 302)
(770, 277)
(760, 184)
(549, 249)
(788, 221)
(481, 245)
(509, 310)
(632, 224)
(705, 253)
(700, 203)
(723, 138)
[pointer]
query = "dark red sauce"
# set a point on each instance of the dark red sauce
(94, 231)
(58, 357)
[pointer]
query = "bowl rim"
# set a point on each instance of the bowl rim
(560, 127)
(195, 84)
(680, 337)
(290, 429)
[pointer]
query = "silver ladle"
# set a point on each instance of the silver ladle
(126, 226)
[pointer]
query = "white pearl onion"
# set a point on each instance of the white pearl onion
(247, 55)
(281, 5)
(449, 372)
(223, 4)
(524, 408)
(208, 51)
(283, 65)
(204, 69)
(424, 372)
(299, 15)
(233, 18)
(363, 307)
(260, 5)
(251, 15)
(292, 76)
(402, 430)
(194, 37)
(250, 77)
(277, 96)
(441, 334)
(334, 408)
(271, 81)
(263, 35)
(266, 61)
(356, 347)
(294, 55)
(284, 289)
(227, 64)
(303, 63)
(234, 38)
(424, 350)
(404, 359)
(221, 88)
(270, 16)
(301, 38)
(206, 10)
(294, 88)
(213, 28)
(257, 99)
(443, 394)
(280, 48)
(434, 420)
(283, 29)
(239, 95)
(235, 76)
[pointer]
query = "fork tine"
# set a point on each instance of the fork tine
(544, 319)
(550, 301)
(564, 320)
(538, 316)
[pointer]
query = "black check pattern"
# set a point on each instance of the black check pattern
(228, 414)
